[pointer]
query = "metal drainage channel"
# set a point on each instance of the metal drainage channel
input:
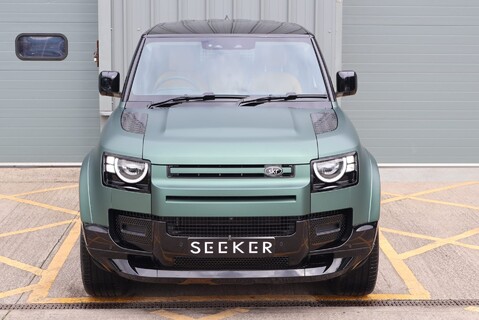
(259, 304)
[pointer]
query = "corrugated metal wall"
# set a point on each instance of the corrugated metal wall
(418, 66)
(128, 19)
(49, 109)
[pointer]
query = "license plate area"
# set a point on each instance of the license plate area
(234, 247)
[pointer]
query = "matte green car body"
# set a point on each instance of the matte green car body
(299, 146)
(332, 225)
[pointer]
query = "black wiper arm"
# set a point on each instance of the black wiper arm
(286, 97)
(185, 98)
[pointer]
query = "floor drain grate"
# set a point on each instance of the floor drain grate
(252, 304)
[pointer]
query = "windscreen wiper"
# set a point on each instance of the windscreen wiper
(185, 98)
(286, 97)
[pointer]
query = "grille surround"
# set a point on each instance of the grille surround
(225, 171)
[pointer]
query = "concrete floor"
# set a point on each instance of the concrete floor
(429, 250)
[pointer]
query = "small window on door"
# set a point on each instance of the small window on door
(41, 46)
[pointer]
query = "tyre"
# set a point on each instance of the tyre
(360, 281)
(97, 281)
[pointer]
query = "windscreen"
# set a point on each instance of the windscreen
(227, 65)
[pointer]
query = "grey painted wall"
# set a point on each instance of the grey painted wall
(418, 66)
(48, 109)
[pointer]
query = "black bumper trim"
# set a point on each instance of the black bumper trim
(341, 259)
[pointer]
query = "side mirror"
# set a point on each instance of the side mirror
(109, 83)
(346, 83)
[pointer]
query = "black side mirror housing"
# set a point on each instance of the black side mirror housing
(346, 83)
(109, 83)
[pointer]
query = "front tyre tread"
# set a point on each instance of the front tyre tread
(360, 281)
(97, 281)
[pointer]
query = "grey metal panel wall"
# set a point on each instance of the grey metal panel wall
(129, 19)
(418, 66)
(48, 109)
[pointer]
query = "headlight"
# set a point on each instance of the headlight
(334, 172)
(126, 173)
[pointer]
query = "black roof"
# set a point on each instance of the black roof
(226, 26)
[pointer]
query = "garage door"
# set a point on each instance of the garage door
(48, 95)
(418, 68)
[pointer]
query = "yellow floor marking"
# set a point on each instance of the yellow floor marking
(392, 194)
(425, 237)
(21, 265)
(171, 315)
(460, 205)
(47, 226)
(473, 309)
(225, 314)
(50, 274)
(415, 288)
(44, 190)
(238, 298)
(217, 316)
(13, 292)
(438, 243)
(42, 205)
(421, 193)
(409, 234)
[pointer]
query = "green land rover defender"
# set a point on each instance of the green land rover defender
(229, 159)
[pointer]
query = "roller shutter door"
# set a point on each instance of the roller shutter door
(48, 109)
(418, 68)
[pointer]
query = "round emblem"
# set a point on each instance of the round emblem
(273, 171)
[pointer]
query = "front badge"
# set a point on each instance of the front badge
(273, 171)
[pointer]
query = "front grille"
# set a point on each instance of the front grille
(134, 230)
(230, 226)
(225, 171)
(264, 263)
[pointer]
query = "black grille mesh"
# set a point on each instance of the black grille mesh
(132, 232)
(222, 227)
(231, 226)
(265, 263)
(334, 228)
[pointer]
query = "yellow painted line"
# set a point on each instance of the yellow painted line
(21, 265)
(422, 236)
(45, 190)
(171, 315)
(217, 316)
(13, 292)
(46, 226)
(415, 288)
(473, 309)
(239, 298)
(392, 194)
(225, 314)
(460, 205)
(438, 243)
(409, 234)
(50, 274)
(42, 205)
(457, 185)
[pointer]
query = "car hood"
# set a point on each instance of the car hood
(207, 134)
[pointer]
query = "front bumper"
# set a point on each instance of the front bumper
(304, 262)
